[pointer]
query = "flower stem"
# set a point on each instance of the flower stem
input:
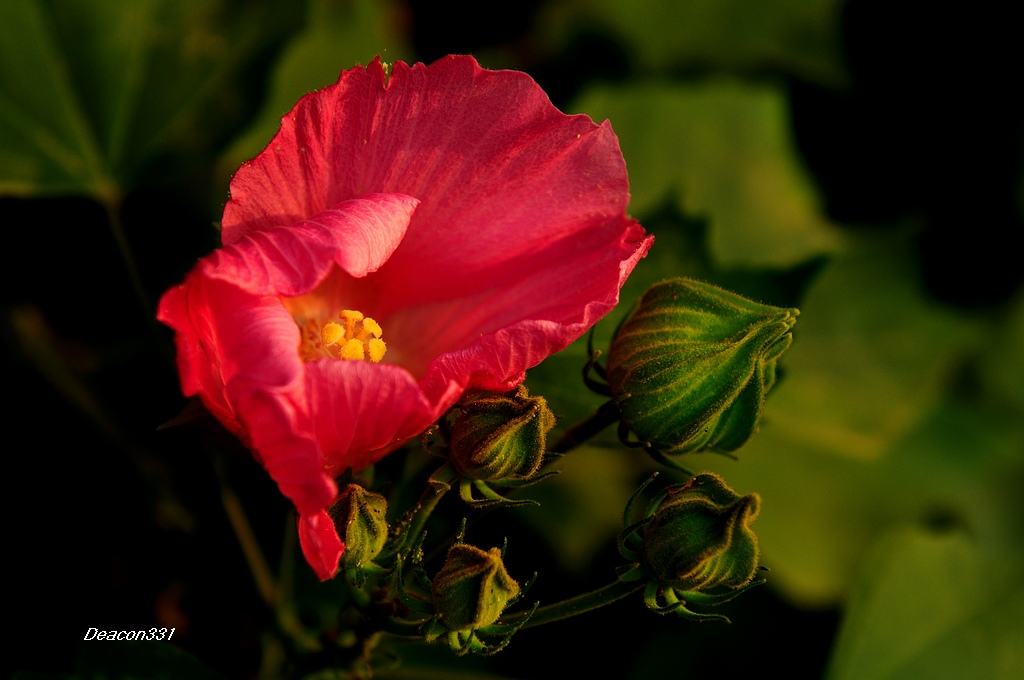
(403, 629)
(574, 606)
(112, 205)
(438, 485)
(286, 618)
(606, 414)
(359, 596)
(250, 548)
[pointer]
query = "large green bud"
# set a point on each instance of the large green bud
(472, 589)
(690, 366)
(498, 437)
(699, 539)
(359, 516)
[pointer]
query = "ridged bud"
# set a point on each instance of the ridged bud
(472, 589)
(499, 436)
(690, 366)
(699, 538)
(360, 518)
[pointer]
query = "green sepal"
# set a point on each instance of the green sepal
(499, 437)
(472, 588)
(360, 518)
(690, 367)
(699, 539)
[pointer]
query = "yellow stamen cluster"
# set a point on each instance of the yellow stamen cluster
(353, 337)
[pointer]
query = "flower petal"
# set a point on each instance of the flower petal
(494, 337)
(320, 543)
(198, 365)
(359, 235)
(361, 410)
(499, 170)
(241, 359)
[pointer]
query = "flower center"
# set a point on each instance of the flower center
(353, 337)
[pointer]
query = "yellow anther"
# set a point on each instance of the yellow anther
(331, 333)
(351, 318)
(377, 349)
(352, 336)
(352, 349)
(371, 327)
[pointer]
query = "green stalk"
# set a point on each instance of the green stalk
(438, 485)
(112, 205)
(574, 606)
(581, 432)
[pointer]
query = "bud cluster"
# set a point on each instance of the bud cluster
(687, 370)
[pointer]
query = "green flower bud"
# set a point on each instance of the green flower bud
(472, 589)
(689, 368)
(498, 437)
(359, 516)
(699, 538)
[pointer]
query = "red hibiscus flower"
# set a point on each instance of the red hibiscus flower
(400, 240)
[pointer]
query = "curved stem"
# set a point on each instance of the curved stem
(276, 597)
(404, 629)
(438, 485)
(112, 205)
(606, 415)
(250, 547)
(574, 606)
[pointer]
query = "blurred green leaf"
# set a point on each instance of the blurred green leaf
(91, 89)
(337, 36)
(587, 498)
(725, 150)
(1002, 368)
(860, 432)
(871, 356)
(46, 143)
(933, 606)
(822, 512)
(794, 36)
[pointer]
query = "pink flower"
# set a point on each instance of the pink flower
(476, 227)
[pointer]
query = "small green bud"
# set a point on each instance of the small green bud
(699, 538)
(359, 516)
(497, 437)
(690, 366)
(472, 589)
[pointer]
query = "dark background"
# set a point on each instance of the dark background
(116, 525)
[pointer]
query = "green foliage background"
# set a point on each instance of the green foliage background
(799, 152)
